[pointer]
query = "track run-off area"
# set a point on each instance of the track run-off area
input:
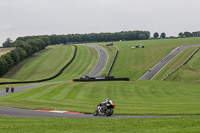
(103, 59)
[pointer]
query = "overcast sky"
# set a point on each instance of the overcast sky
(39, 17)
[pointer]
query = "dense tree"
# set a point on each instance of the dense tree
(181, 34)
(142, 37)
(187, 34)
(15, 56)
(45, 39)
(22, 53)
(163, 35)
(9, 60)
(92, 37)
(27, 47)
(3, 64)
(23, 49)
(156, 35)
(33, 44)
(8, 43)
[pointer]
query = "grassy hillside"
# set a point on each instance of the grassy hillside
(179, 60)
(46, 65)
(188, 73)
(133, 98)
(85, 61)
(134, 63)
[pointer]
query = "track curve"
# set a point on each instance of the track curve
(103, 59)
(160, 65)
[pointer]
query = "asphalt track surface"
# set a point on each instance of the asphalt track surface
(103, 59)
(158, 67)
(15, 112)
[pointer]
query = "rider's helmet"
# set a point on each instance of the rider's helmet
(107, 100)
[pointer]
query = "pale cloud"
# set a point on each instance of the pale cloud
(37, 17)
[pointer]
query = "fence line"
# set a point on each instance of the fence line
(111, 66)
(180, 65)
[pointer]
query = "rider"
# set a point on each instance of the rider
(103, 104)
(7, 88)
(107, 101)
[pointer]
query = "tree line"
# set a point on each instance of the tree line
(93, 37)
(23, 50)
(156, 35)
(189, 34)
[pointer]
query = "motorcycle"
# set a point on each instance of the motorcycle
(7, 89)
(106, 109)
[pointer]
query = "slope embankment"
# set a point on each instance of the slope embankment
(46, 79)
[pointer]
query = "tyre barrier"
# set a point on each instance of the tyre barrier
(46, 79)
(111, 44)
(181, 65)
(106, 79)
(111, 66)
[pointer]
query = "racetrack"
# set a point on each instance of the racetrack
(103, 59)
(158, 67)
(14, 112)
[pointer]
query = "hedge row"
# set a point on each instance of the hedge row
(111, 66)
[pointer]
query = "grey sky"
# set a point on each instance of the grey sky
(39, 17)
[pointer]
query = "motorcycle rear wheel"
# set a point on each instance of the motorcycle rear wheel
(109, 112)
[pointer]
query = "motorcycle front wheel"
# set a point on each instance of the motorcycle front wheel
(96, 112)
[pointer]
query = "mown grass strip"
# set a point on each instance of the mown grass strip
(47, 65)
(152, 125)
(176, 62)
(134, 63)
(84, 63)
(132, 98)
(189, 72)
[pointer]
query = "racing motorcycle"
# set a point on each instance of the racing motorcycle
(106, 109)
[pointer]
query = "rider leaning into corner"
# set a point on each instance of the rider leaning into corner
(105, 108)
(107, 101)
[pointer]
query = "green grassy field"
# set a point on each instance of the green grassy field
(47, 64)
(136, 97)
(85, 61)
(132, 98)
(134, 63)
(189, 72)
(179, 60)
(139, 125)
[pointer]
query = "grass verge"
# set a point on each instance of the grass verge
(51, 125)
